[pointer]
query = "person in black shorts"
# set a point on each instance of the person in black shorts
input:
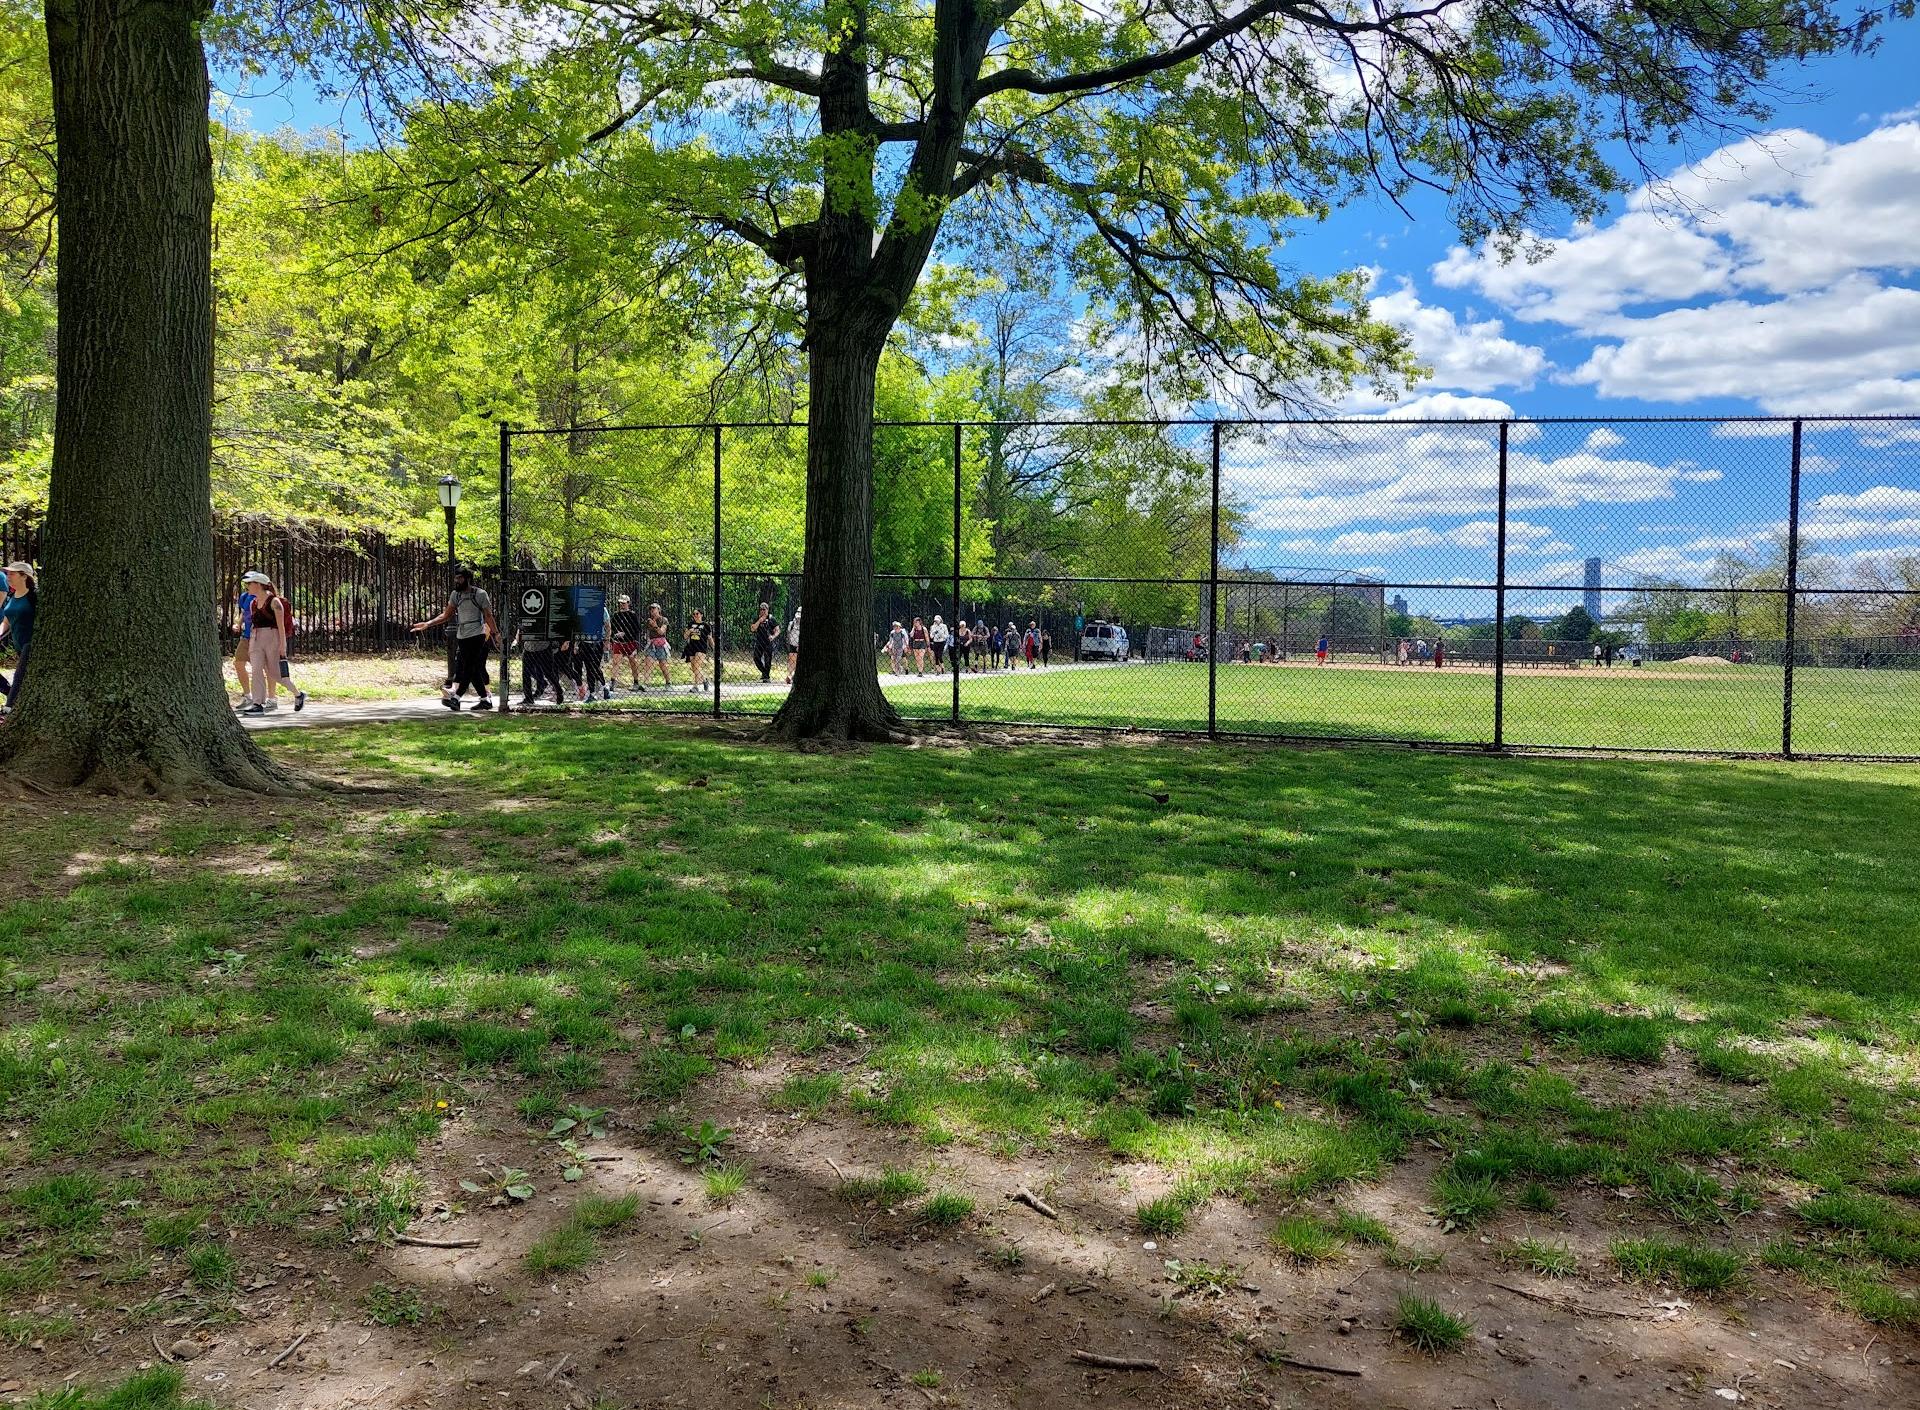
(766, 635)
(623, 629)
(697, 648)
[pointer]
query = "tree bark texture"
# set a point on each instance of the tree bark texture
(836, 689)
(125, 690)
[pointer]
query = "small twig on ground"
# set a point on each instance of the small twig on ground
(291, 1348)
(1032, 1201)
(435, 1243)
(1583, 1308)
(1113, 1363)
(834, 1166)
(1075, 1289)
(1299, 1365)
(1043, 1294)
(559, 1366)
(159, 1350)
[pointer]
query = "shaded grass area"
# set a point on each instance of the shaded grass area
(1271, 973)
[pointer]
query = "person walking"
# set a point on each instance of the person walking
(917, 644)
(1030, 643)
(765, 633)
(1046, 648)
(16, 623)
(656, 631)
(937, 638)
(698, 647)
(271, 623)
(962, 646)
(793, 645)
(897, 647)
(474, 631)
(244, 643)
(1439, 653)
(1320, 652)
(623, 631)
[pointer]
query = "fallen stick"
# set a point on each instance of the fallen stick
(1044, 1293)
(1299, 1365)
(559, 1366)
(1584, 1309)
(836, 1168)
(295, 1346)
(1032, 1201)
(160, 1350)
(435, 1243)
(1114, 1363)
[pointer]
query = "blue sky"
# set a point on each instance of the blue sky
(1779, 275)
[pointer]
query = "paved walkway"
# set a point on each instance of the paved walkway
(679, 700)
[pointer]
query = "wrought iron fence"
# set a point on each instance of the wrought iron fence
(1737, 586)
(352, 590)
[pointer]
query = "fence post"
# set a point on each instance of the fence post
(380, 592)
(954, 633)
(1213, 601)
(718, 646)
(1500, 609)
(508, 611)
(1793, 594)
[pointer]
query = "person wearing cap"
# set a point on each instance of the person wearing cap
(474, 629)
(16, 622)
(623, 630)
(269, 630)
(245, 643)
(657, 644)
(766, 635)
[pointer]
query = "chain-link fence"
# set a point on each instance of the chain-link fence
(1741, 586)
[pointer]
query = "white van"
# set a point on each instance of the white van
(1102, 641)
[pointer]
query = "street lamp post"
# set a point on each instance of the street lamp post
(450, 505)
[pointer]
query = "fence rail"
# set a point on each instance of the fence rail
(353, 591)
(1752, 584)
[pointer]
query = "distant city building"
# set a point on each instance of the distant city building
(1400, 605)
(1591, 599)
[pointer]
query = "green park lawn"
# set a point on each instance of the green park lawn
(1273, 973)
(1733, 709)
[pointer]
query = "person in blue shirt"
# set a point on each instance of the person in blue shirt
(16, 621)
(244, 646)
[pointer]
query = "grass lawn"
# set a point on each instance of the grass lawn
(1677, 1002)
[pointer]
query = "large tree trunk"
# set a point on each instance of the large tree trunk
(836, 689)
(124, 690)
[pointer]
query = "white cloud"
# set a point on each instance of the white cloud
(1794, 254)
(1465, 354)
(1601, 439)
(1881, 499)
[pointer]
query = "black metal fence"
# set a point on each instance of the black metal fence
(352, 590)
(1738, 586)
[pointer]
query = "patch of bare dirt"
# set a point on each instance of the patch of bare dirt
(702, 1306)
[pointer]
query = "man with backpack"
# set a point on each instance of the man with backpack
(474, 629)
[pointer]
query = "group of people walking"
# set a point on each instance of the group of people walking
(16, 626)
(974, 647)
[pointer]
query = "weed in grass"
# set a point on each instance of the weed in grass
(1008, 1256)
(506, 1185)
(1464, 1201)
(1549, 1260)
(61, 1203)
(1412, 1260)
(723, 1182)
(663, 1074)
(1695, 1267)
(157, 1389)
(581, 1123)
(1536, 1198)
(573, 1245)
(820, 1277)
(21, 1328)
(890, 1187)
(1304, 1239)
(1878, 1303)
(211, 1268)
(172, 1231)
(1166, 1215)
(807, 1094)
(703, 1143)
(927, 1379)
(946, 1209)
(1359, 1228)
(1428, 1326)
(396, 1306)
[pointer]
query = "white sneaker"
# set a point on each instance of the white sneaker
(271, 705)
